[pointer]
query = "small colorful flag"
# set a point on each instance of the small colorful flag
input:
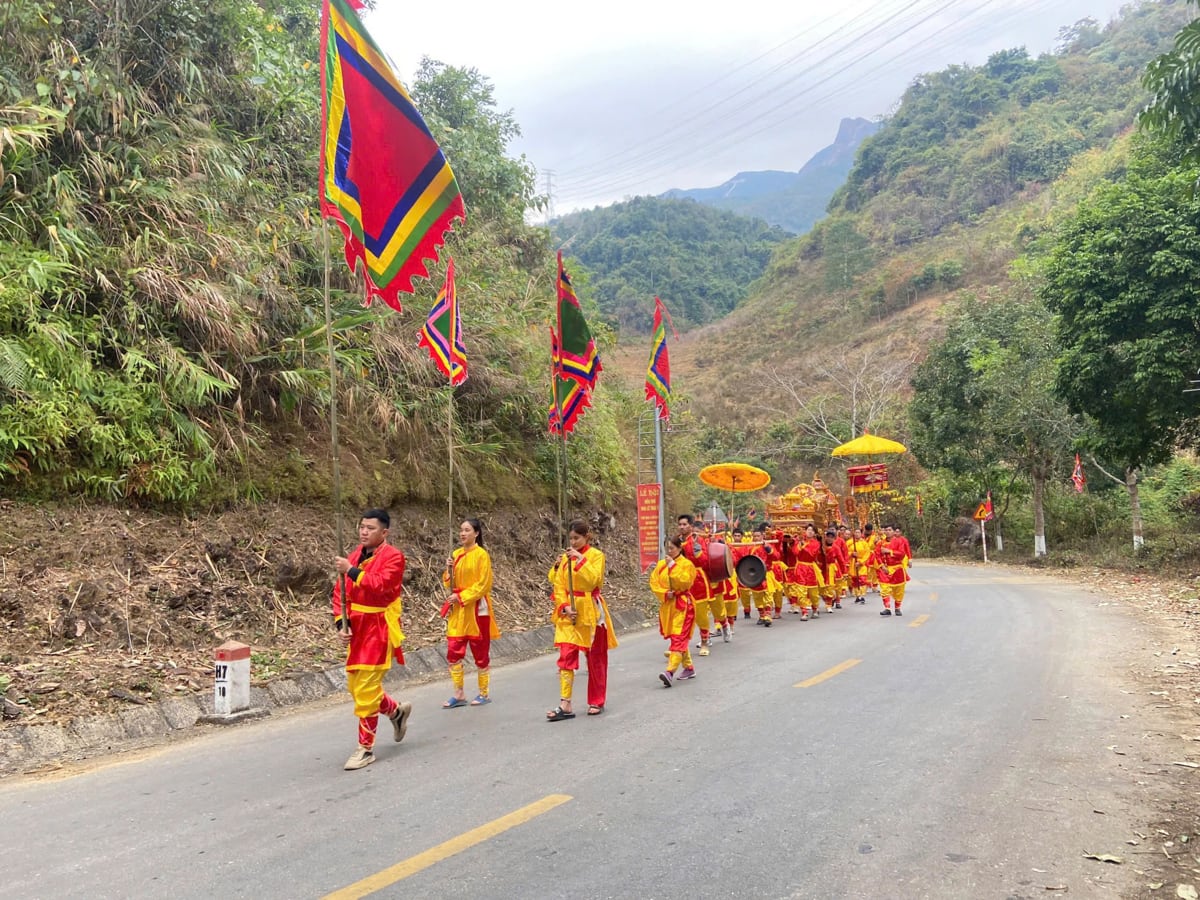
(658, 372)
(384, 179)
(578, 357)
(441, 334)
(1078, 477)
(568, 397)
(989, 513)
(920, 507)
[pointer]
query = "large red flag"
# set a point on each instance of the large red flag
(384, 179)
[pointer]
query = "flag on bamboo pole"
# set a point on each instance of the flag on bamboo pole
(577, 356)
(989, 513)
(441, 334)
(567, 395)
(919, 506)
(384, 179)
(1078, 477)
(658, 371)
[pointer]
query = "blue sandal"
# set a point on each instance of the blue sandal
(454, 703)
(481, 700)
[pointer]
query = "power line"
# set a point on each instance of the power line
(628, 175)
(606, 180)
(669, 135)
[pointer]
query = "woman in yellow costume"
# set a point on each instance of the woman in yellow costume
(671, 581)
(468, 613)
(581, 622)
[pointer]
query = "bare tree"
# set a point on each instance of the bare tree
(830, 401)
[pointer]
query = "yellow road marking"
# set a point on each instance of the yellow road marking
(829, 673)
(918, 621)
(414, 864)
(933, 596)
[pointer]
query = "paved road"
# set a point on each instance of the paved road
(959, 752)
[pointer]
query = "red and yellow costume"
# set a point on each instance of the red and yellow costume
(893, 570)
(578, 584)
(469, 621)
(808, 580)
(705, 599)
(860, 552)
(832, 566)
(776, 579)
(740, 551)
(375, 635)
(676, 614)
(843, 566)
(873, 542)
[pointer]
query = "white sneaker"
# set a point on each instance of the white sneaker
(360, 759)
(400, 720)
(725, 635)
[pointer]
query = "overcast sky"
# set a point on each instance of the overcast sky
(626, 98)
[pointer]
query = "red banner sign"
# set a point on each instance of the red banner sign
(649, 545)
(866, 479)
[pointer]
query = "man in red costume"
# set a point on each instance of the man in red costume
(894, 554)
(373, 579)
(707, 599)
(807, 572)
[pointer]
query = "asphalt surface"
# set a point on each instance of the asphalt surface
(962, 751)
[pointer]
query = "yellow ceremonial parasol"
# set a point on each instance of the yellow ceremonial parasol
(736, 478)
(869, 445)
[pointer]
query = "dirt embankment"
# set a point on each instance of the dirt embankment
(102, 607)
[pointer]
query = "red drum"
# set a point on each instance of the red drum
(718, 563)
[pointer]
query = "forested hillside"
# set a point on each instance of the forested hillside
(953, 274)
(699, 259)
(161, 270)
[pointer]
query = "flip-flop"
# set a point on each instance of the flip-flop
(557, 715)
(481, 700)
(595, 710)
(454, 703)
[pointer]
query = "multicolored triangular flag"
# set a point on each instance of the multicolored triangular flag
(568, 399)
(578, 357)
(658, 371)
(441, 334)
(384, 179)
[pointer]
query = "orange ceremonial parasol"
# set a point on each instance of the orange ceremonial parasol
(734, 477)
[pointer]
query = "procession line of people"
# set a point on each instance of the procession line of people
(805, 572)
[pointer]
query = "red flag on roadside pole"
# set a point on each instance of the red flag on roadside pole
(1078, 477)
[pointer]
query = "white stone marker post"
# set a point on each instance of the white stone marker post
(231, 672)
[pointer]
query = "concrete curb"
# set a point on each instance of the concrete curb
(27, 748)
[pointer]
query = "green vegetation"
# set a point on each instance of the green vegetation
(161, 326)
(700, 260)
(999, 241)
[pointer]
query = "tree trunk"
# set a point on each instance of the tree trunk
(1135, 507)
(1039, 513)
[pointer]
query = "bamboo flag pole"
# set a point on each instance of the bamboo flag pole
(452, 290)
(333, 431)
(564, 474)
